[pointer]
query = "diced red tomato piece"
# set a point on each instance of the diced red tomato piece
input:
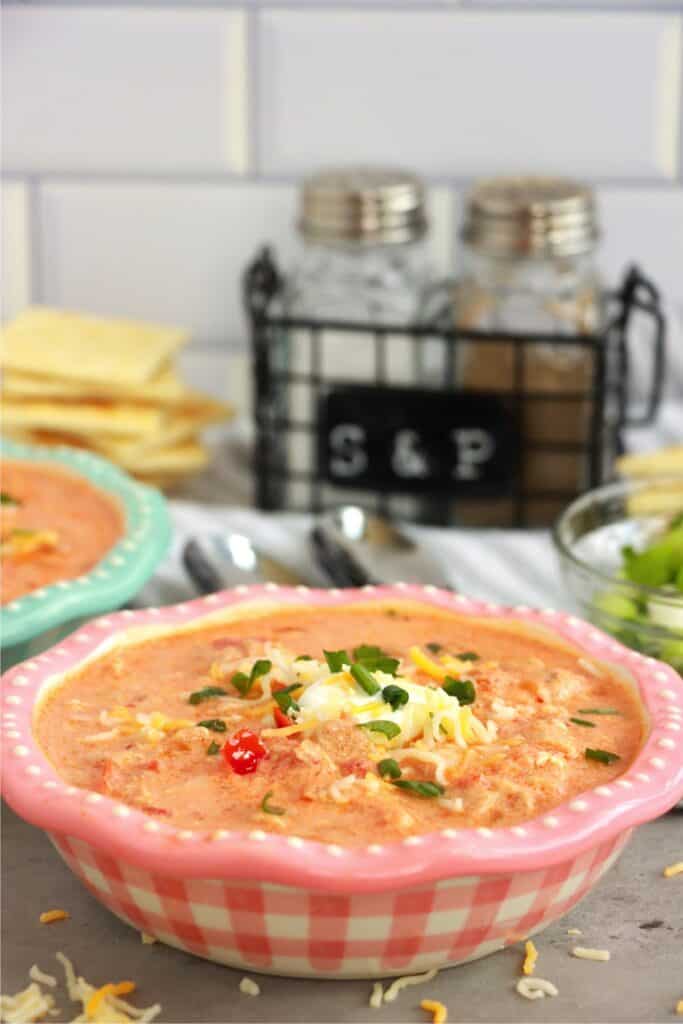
(243, 751)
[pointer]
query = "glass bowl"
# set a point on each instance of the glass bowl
(589, 537)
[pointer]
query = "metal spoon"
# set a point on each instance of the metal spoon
(220, 560)
(355, 547)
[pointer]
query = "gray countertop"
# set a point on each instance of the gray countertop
(634, 912)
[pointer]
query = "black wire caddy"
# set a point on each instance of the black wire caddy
(423, 448)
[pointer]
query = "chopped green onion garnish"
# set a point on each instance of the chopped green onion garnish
(7, 499)
(215, 724)
(463, 689)
(243, 683)
(467, 656)
(423, 789)
(284, 699)
(269, 808)
(304, 657)
(604, 756)
(396, 696)
(206, 692)
(336, 660)
(364, 678)
(367, 651)
(213, 747)
(599, 711)
(388, 729)
(261, 668)
(434, 648)
(374, 659)
(389, 767)
(582, 721)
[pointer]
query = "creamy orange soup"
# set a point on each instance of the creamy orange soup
(421, 720)
(54, 525)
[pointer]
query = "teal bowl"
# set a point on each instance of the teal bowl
(43, 617)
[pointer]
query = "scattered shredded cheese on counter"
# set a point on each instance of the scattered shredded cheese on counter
(590, 954)
(99, 1005)
(574, 931)
(536, 988)
(377, 995)
(679, 1007)
(122, 988)
(53, 915)
(35, 974)
(409, 979)
(31, 1004)
(249, 987)
(530, 958)
(438, 1010)
(674, 869)
(147, 940)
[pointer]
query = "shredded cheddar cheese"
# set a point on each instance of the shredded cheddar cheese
(679, 1007)
(147, 940)
(429, 667)
(121, 988)
(590, 954)
(48, 916)
(376, 996)
(290, 730)
(438, 1011)
(31, 1004)
(21, 543)
(99, 1005)
(249, 987)
(674, 869)
(536, 988)
(35, 974)
(409, 979)
(530, 958)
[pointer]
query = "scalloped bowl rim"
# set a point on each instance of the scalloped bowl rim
(122, 570)
(651, 786)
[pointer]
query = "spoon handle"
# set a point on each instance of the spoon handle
(199, 569)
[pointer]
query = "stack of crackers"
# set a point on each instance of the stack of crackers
(663, 471)
(107, 385)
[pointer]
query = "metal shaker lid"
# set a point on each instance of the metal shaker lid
(368, 205)
(531, 217)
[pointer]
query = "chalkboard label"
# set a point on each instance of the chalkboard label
(418, 441)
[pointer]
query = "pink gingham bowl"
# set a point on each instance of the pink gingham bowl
(285, 905)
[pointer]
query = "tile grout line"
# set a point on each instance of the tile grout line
(680, 103)
(252, 177)
(510, 6)
(253, 55)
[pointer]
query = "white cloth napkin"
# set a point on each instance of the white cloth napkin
(507, 566)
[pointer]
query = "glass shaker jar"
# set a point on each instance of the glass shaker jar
(528, 265)
(363, 256)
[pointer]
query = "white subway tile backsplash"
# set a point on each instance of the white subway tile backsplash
(458, 94)
(644, 226)
(170, 252)
(174, 252)
(15, 284)
(124, 89)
